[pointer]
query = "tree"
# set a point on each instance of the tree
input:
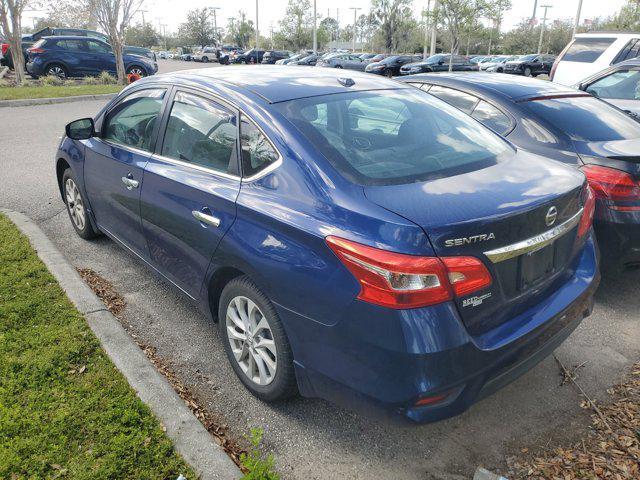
(67, 13)
(11, 23)
(114, 16)
(393, 18)
(199, 28)
(297, 24)
(142, 35)
(330, 27)
(240, 30)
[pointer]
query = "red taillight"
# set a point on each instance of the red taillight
(5, 48)
(588, 211)
(397, 280)
(35, 50)
(613, 185)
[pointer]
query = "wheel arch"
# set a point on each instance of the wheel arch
(61, 166)
(220, 279)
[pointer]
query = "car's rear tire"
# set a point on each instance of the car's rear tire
(388, 73)
(338, 66)
(255, 341)
(56, 70)
(205, 59)
(77, 206)
(527, 72)
(136, 70)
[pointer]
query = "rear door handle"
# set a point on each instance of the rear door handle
(130, 183)
(206, 218)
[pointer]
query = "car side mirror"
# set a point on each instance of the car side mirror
(82, 129)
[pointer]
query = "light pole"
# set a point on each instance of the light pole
(434, 27)
(426, 30)
(544, 22)
(315, 28)
(535, 9)
(215, 24)
(355, 14)
(257, 30)
(577, 24)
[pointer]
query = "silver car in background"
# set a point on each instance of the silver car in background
(343, 60)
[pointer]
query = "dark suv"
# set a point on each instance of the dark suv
(530, 65)
(390, 66)
(250, 56)
(272, 56)
(439, 63)
(81, 56)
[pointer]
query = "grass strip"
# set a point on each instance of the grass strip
(65, 410)
(23, 93)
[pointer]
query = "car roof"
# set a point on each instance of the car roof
(607, 34)
(73, 37)
(276, 84)
(495, 84)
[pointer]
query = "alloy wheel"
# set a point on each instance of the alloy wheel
(75, 204)
(56, 71)
(136, 71)
(251, 340)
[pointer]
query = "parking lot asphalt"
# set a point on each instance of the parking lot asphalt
(312, 438)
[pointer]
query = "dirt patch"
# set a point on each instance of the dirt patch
(611, 447)
(116, 304)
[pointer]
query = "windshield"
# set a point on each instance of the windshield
(527, 58)
(586, 119)
(394, 136)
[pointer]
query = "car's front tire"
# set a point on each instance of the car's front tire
(255, 341)
(77, 206)
(527, 72)
(388, 73)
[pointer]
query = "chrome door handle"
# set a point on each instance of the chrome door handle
(204, 218)
(130, 183)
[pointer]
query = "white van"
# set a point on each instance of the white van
(589, 53)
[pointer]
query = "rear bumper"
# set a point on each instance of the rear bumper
(432, 355)
(619, 238)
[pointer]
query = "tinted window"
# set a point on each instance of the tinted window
(586, 119)
(97, 47)
(630, 50)
(73, 45)
(624, 84)
(202, 133)
(587, 50)
(458, 99)
(257, 152)
(132, 121)
(394, 136)
(491, 117)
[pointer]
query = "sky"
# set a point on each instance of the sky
(171, 12)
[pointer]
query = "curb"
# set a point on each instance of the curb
(27, 102)
(191, 439)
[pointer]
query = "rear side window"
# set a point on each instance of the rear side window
(394, 136)
(71, 45)
(203, 133)
(491, 117)
(257, 151)
(132, 121)
(458, 99)
(630, 50)
(587, 50)
(586, 119)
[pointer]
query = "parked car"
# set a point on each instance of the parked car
(343, 60)
(272, 56)
(145, 52)
(438, 63)
(589, 53)
(309, 60)
(250, 56)
(186, 57)
(367, 57)
(479, 59)
(571, 127)
(496, 64)
(81, 56)
(294, 58)
(618, 85)
(390, 66)
(378, 57)
(423, 246)
(530, 65)
(206, 55)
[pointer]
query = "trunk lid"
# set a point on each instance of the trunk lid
(620, 154)
(476, 213)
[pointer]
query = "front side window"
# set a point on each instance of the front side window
(132, 121)
(257, 151)
(491, 117)
(624, 85)
(97, 47)
(458, 99)
(587, 50)
(394, 136)
(203, 133)
(585, 118)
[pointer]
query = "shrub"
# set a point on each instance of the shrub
(70, 83)
(106, 78)
(51, 81)
(91, 81)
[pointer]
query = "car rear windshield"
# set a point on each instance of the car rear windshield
(587, 50)
(395, 136)
(586, 119)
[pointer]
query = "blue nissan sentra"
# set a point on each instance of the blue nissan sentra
(354, 238)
